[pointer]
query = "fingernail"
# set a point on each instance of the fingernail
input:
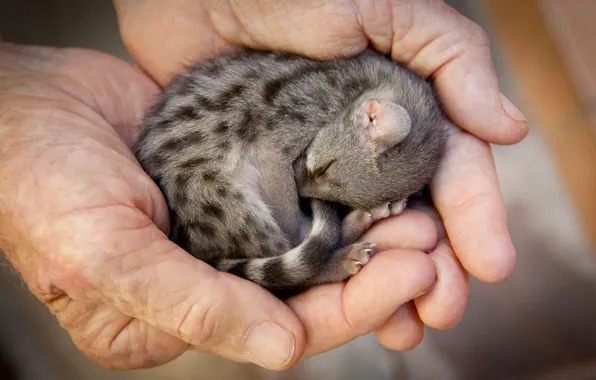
(269, 345)
(512, 110)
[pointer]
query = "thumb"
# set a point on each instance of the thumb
(216, 312)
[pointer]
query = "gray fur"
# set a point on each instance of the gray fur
(236, 141)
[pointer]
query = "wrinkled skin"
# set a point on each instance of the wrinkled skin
(87, 229)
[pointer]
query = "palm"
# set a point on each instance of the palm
(108, 207)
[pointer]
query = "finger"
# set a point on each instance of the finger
(403, 331)
(467, 194)
(444, 305)
(162, 55)
(160, 284)
(113, 339)
(335, 314)
(317, 28)
(434, 40)
(412, 229)
(426, 205)
(198, 30)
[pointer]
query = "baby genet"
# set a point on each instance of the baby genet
(236, 144)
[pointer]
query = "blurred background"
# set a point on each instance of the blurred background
(538, 324)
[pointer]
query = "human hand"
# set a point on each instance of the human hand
(87, 230)
(428, 37)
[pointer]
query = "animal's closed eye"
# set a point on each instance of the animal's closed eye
(321, 170)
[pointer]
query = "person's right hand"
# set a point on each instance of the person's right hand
(86, 228)
(430, 38)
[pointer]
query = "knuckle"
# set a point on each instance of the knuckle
(110, 360)
(106, 341)
(477, 35)
(199, 324)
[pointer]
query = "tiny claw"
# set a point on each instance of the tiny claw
(398, 207)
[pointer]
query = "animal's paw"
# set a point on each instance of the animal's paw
(355, 257)
(387, 209)
(398, 207)
(358, 220)
(354, 225)
(381, 212)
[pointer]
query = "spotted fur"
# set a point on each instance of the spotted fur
(233, 144)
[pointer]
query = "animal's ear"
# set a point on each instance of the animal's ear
(385, 123)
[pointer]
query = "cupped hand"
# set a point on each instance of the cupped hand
(87, 230)
(428, 37)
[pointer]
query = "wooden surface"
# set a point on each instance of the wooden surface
(556, 103)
